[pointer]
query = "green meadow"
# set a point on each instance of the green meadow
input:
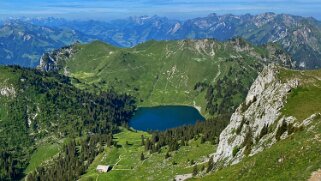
(127, 165)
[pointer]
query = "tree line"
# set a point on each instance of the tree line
(74, 160)
(226, 93)
(208, 130)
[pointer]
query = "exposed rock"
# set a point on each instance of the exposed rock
(183, 177)
(316, 176)
(309, 120)
(260, 110)
(52, 61)
(8, 91)
(175, 28)
(47, 63)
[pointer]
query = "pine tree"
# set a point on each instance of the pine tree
(202, 168)
(210, 164)
(195, 170)
(142, 157)
(148, 145)
(143, 140)
(167, 155)
(202, 140)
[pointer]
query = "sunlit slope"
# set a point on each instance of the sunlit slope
(209, 74)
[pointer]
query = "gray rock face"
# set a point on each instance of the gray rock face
(52, 61)
(47, 63)
(261, 109)
(8, 91)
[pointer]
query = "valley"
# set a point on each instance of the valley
(217, 97)
(268, 121)
(294, 155)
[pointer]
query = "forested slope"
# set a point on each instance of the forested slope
(39, 107)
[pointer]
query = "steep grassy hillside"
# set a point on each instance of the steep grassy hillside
(297, 154)
(305, 100)
(211, 75)
(40, 109)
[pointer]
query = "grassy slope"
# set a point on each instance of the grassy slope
(154, 167)
(305, 100)
(43, 153)
(296, 157)
(166, 72)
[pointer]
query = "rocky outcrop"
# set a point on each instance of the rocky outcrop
(248, 133)
(8, 91)
(53, 61)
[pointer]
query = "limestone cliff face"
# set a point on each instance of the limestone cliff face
(248, 133)
(53, 61)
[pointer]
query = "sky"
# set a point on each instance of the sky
(178, 9)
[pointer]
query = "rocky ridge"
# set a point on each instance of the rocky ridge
(249, 131)
(50, 61)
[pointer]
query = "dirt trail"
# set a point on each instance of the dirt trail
(183, 177)
(218, 73)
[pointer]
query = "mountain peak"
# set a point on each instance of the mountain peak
(142, 19)
(212, 15)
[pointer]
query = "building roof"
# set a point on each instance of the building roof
(103, 168)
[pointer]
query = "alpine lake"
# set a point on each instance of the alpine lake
(164, 117)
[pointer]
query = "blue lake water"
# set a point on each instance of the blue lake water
(164, 117)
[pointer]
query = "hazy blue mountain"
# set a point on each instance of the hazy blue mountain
(121, 32)
(23, 43)
(299, 36)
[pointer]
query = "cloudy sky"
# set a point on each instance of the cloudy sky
(181, 9)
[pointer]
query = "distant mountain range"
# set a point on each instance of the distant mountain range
(299, 36)
(23, 43)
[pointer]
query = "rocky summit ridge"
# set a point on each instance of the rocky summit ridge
(259, 122)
